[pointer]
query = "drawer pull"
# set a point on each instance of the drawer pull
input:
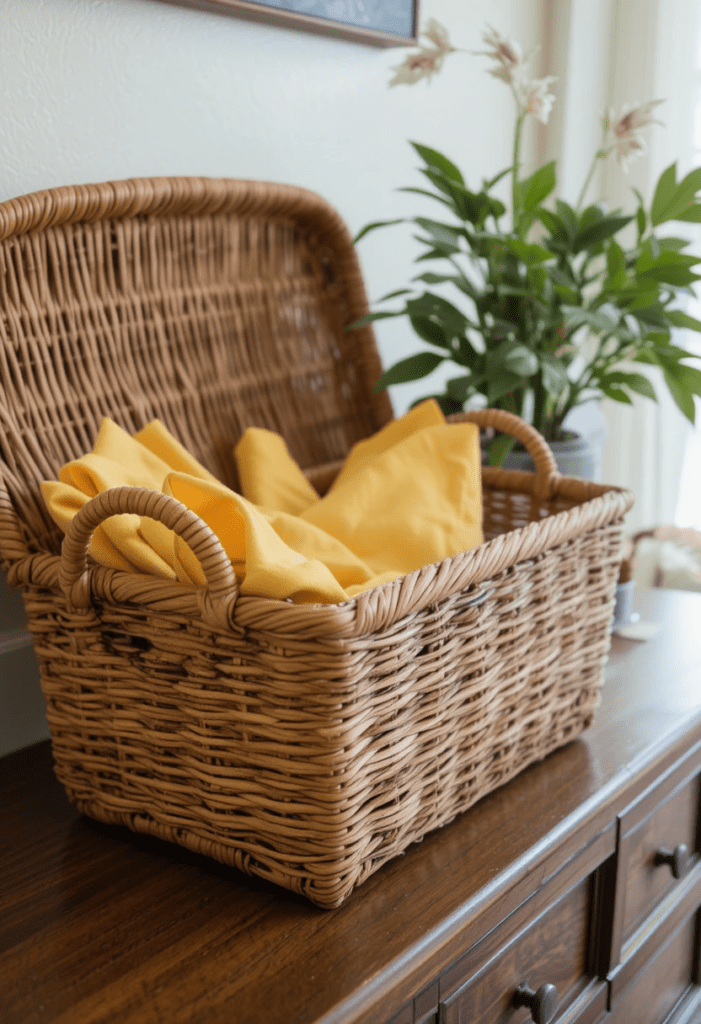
(542, 1003)
(678, 859)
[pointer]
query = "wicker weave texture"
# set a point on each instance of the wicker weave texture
(212, 305)
(306, 744)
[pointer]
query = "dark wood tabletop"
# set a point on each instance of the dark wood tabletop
(102, 926)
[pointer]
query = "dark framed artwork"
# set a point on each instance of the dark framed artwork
(378, 22)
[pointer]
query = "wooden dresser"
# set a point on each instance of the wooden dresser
(576, 888)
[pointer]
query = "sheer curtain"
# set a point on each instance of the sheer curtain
(688, 512)
(655, 55)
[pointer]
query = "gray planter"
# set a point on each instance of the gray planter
(578, 456)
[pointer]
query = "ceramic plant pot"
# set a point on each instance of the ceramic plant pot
(577, 456)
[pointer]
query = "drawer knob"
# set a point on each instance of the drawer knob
(542, 1003)
(678, 859)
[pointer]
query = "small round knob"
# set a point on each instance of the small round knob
(678, 859)
(542, 1003)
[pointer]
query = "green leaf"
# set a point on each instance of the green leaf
(568, 296)
(502, 329)
(665, 257)
(692, 214)
(568, 216)
(394, 295)
(671, 274)
(431, 195)
(640, 215)
(441, 234)
(531, 254)
(671, 352)
(496, 208)
(646, 297)
(507, 289)
(559, 276)
(461, 201)
(435, 248)
(448, 317)
(598, 232)
(428, 331)
(615, 263)
(592, 215)
(676, 244)
(555, 379)
(676, 202)
(552, 223)
(521, 360)
(376, 224)
(690, 376)
(370, 318)
(430, 277)
(537, 187)
(432, 254)
(664, 194)
(617, 394)
(458, 280)
(499, 448)
(435, 159)
(500, 382)
(413, 368)
(680, 319)
(634, 381)
(448, 406)
(683, 196)
(653, 317)
(486, 185)
(460, 388)
(597, 319)
(680, 393)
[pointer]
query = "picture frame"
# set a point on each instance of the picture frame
(375, 22)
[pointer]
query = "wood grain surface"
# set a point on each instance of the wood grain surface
(102, 926)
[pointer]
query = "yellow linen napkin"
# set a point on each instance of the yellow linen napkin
(427, 414)
(409, 496)
(269, 475)
(417, 502)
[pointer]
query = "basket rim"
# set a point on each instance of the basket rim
(164, 196)
(372, 610)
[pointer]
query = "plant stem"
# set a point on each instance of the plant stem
(516, 166)
(600, 154)
(588, 179)
(540, 398)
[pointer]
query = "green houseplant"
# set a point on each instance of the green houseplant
(549, 308)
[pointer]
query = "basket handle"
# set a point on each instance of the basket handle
(216, 600)
(546, 472)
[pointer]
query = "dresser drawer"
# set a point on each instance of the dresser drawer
(554, 950)
(663, 982)
(658, 844)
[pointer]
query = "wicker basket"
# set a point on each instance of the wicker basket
(306, 744)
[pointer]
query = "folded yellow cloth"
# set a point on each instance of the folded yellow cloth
(406, 497)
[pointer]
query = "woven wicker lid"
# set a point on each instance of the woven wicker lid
(212, 304)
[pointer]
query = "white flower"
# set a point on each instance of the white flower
(534, 97)
(428, 60)
(629, 142)
(506, 54)
(438, 35)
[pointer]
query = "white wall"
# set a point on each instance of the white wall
(94, 90)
